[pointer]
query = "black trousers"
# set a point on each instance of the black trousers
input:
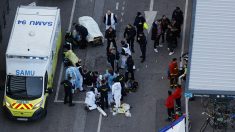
(143, 50)
(70, 95)
(131, 42)
(127, 75)
(173, 81)
(172, 44)
(163, 34)
(108, 44)
(104, 101)
(178, 103)
(83, 42)
(170, 112)
(156, 42)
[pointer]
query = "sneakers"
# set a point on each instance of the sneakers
(160, 45)
(156, 50)
(171, 53)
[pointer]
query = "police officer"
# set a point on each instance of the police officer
(103, 89)
(68, 91)
(143, 42)
(139, 23)
(129, 35)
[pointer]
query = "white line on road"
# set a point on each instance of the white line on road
(122, 13)
(71, 16)
(117, 4)
(151, 5)
(124, 2)
(58, 83)
(99, 123)
(61, 66)
(121, 20)
(123, 8)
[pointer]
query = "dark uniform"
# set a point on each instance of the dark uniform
(129, 34)
(103, 89)
(143, 42)
(165, 22)
(130, 64)
(110, 35)
(178, 16)
(83, 34)
(139, 23)
(68, 91)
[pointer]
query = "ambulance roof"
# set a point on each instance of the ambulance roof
(32, 32)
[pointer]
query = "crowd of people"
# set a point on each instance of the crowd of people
(109, 88)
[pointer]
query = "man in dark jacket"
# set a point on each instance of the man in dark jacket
(103, 89)
(110, 20)
(170, 106)
(113, 57)
(142, 42)
(172, 37)
(139, 23)
(129, 34)
(129, 69)
(165, 22)
(156, 34)
(68, 91)
(177, 15)
(82, 31)
(110, 35)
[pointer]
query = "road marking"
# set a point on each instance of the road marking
(99, 123)
(61, 66)
(117, 4)
(58, 83)
(124, 2)
(71, 16)
(76, 102)
(121, 20)
(122, 13)
(151, 5)
(123, 8)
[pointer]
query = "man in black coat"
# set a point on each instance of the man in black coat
(82, 31)
(156, 34)
(165, 22)
(129, 69)
(143, 42)
(129, 34)
(177, 15)
(110, 35)
(139, 23)
(68, 91)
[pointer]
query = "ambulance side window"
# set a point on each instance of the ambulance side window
(45, 81)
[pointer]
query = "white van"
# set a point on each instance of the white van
(31, 60)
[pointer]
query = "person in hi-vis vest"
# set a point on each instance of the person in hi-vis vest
(110, 20)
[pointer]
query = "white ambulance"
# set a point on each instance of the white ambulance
(31, 60)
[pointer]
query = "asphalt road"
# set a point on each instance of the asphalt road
(148, 112)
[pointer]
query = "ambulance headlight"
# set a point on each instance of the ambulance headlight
(37, 105)
(8, 104)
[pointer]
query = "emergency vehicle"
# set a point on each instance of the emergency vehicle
(31, 60)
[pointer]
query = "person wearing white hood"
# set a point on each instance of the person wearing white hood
(116, 92)
(124, 54)
(90, 100)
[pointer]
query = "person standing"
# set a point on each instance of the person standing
(165, 22)
(170, 106)
(104, 89)
(172, 37)
(156, 34)
(129, 35)
(113, 57)
(173, 73)
(110, 35)
(129, 68)
(110, 20)
(116, 92)
(177, 96)
(82, 31)
(142, 42)
(178, 16)
(139, 23)
(68, 87)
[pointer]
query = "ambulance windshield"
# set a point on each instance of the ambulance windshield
(21, 87)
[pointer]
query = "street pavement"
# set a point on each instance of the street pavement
(148, 110)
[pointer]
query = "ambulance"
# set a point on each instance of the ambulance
(31, 59)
